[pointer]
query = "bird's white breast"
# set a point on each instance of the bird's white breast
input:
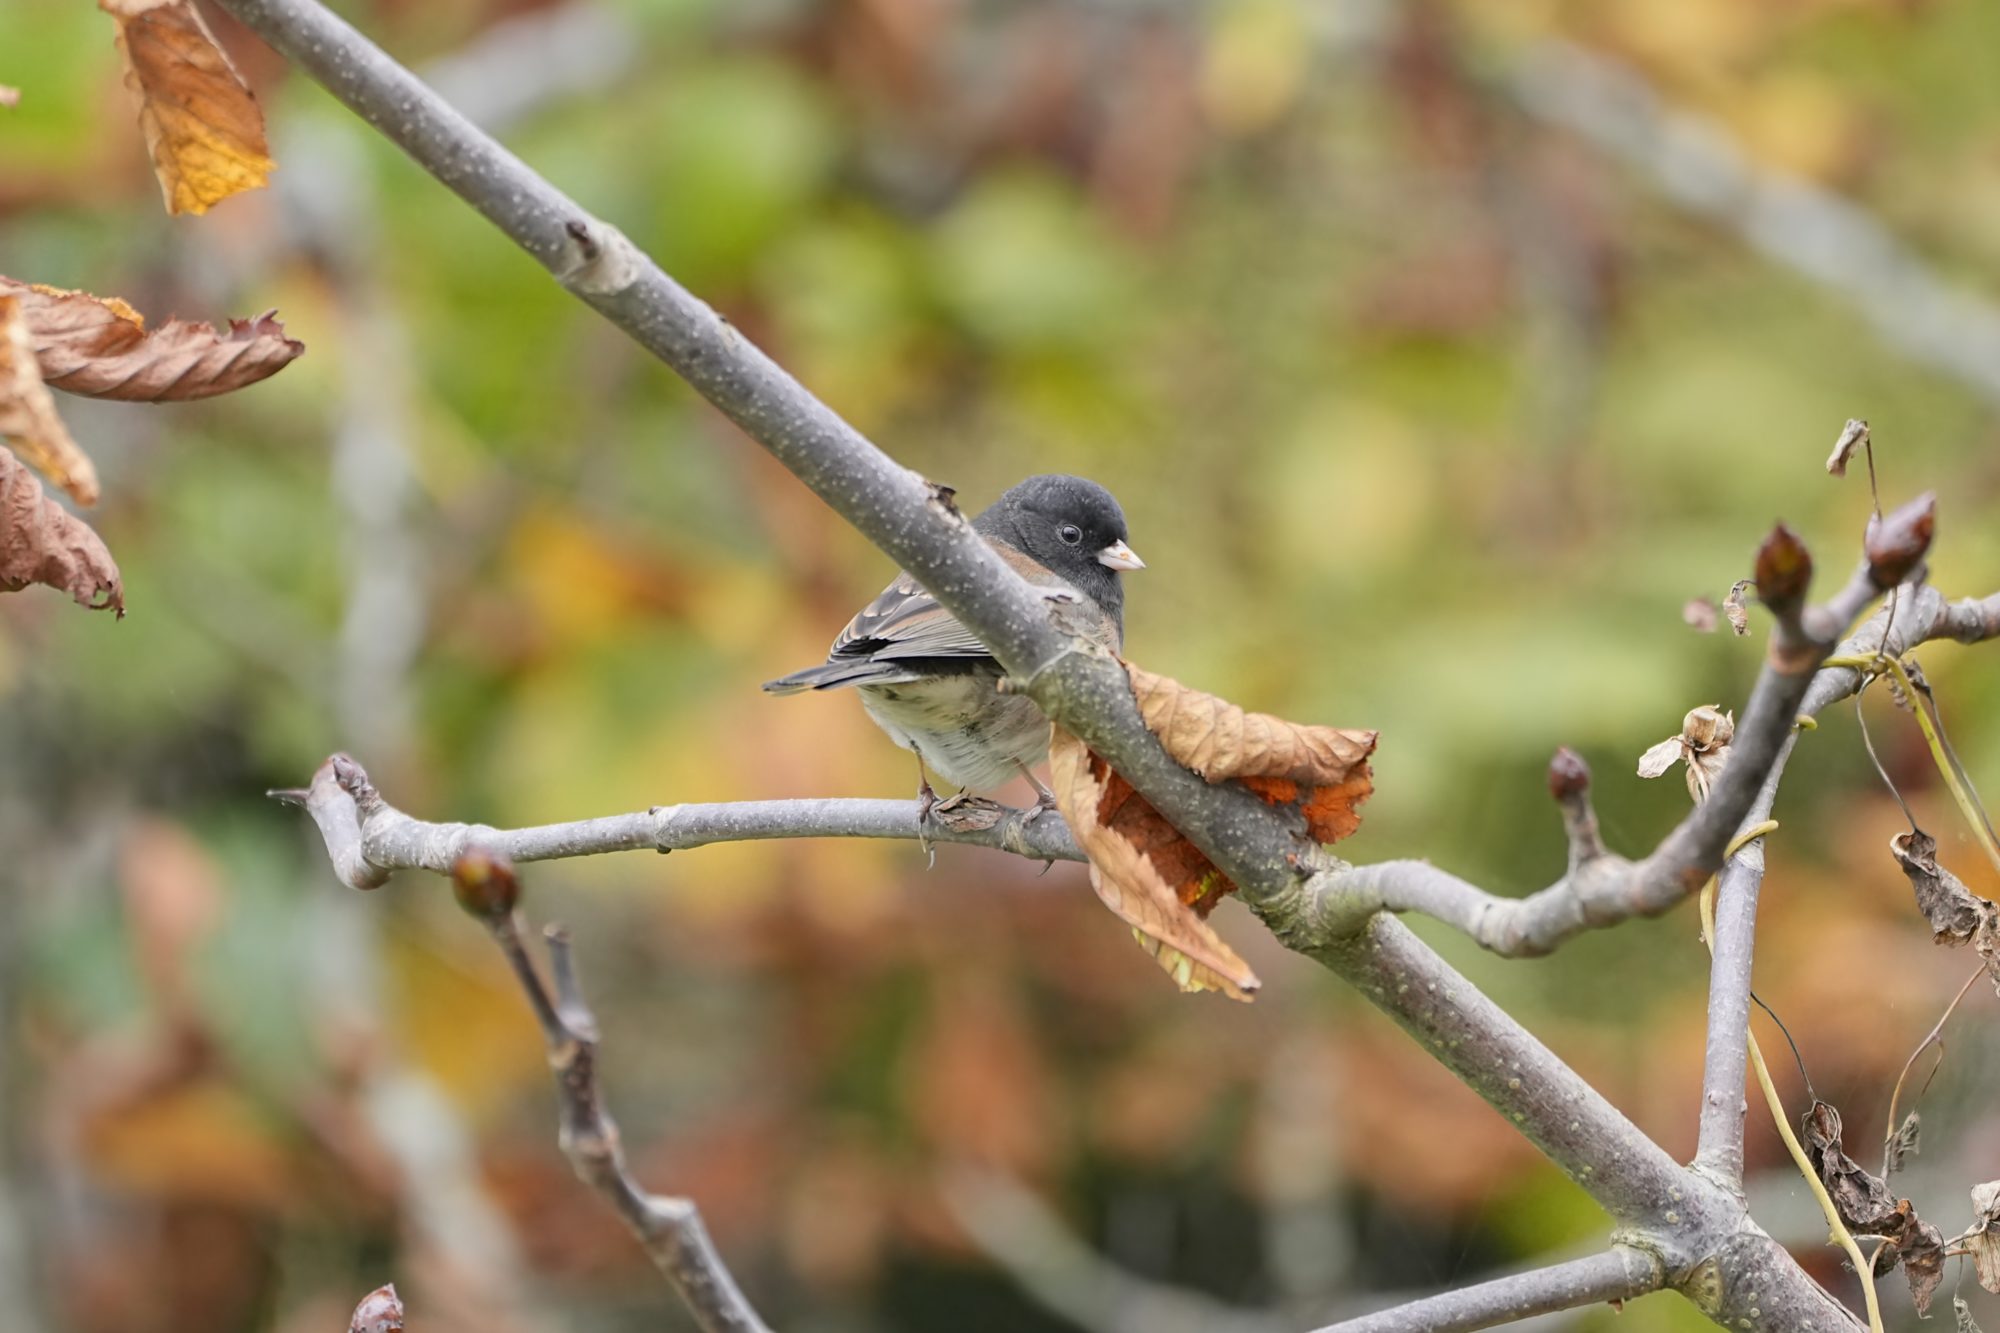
(967, 732)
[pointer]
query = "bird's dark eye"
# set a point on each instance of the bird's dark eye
(1070, 533)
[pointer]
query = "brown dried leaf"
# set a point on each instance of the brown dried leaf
(41, 542)
(1868, 1207)
(1982, 1242)
(1105, 813)
(1957, 915)
(1153, 876)
(1962, 1313)
(1734, 608)
(203, 127)
(1217, 740)
(1921, 1248)
(380, 1311)
(100, 347)
(28, 417)
(1903, 1144)
(1865, 1203)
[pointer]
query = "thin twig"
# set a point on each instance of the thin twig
(669, 1229)
(1619, 1274)
(1934, 1037)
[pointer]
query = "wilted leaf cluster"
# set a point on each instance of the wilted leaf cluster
(206, 137)
(1147, 871)
(1867, 1207)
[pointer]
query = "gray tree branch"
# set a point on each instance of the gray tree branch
(1918, 614)
(1602, 889)
(1697, 1232)
(669, 1229)
(368, 839)
(1619, 1274)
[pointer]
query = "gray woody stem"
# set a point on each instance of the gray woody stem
(1696, 1230)
(1603, 890)
(367, 839)
(670, 1230)
(1921, 614)
(911, 520)
(1619, 1274)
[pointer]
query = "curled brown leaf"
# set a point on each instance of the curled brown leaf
(41, 542)
(203, 127)
(1117, 829)
(100, 347)
(1868, 1207)
(1150, 873)
(1903, 1144)
(1218, 740)
(1956, 914)
(28, 417)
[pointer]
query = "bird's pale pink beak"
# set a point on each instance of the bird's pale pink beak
(1120, 556)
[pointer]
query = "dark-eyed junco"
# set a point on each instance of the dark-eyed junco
(930, 683)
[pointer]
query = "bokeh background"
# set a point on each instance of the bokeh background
(1440, 353)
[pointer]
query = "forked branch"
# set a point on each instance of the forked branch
(670, 1229)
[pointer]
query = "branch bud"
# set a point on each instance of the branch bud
(1783, 571)
(485, 884)
(1569, 776)
(1897, 542)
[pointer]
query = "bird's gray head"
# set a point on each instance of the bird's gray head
(1074, 527)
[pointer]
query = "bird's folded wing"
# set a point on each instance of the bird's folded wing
(906, 622)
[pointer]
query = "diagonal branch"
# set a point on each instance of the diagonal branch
(911, 520)
(1618, 1274)
(1601, 889)
(1698, 1230)
(670, 1229)
(368, 839)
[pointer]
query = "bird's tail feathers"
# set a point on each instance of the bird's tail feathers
(833, 675)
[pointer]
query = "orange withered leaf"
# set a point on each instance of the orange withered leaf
(203, 127)
(100, 347)
(28, 417)
(1146, 870)
(1099, 807)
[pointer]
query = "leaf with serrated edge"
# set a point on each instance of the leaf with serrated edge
(203, 127)
(28, 417)
(100, 347)
(1127, 882)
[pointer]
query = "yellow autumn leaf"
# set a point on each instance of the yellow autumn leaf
(203, 127)
(28, 418)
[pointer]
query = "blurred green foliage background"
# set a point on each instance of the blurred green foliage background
(1429, 414)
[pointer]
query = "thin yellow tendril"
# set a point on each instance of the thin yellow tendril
(1975, 818)
(1836, 1229)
